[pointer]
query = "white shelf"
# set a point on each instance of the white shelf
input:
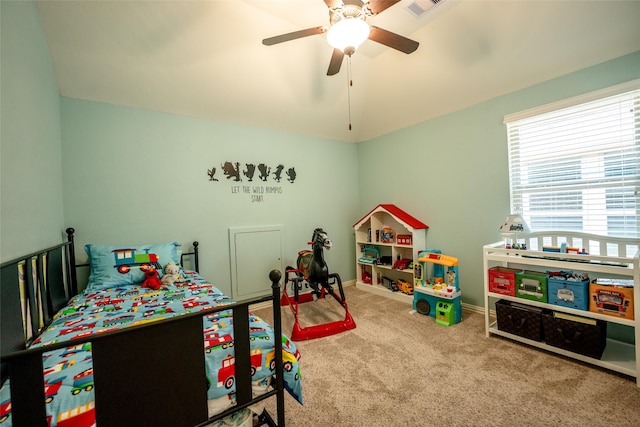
(618, 356)
(384, 292)
(383, 244)
(389, 267)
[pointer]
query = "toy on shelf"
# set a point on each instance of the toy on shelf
(564, 249)
(405, 287)
(404, 239)
(512, 225)
(403, 264)
(370, 255)
(366, 276)
(386, 236)
(437, 294)
(389, 284)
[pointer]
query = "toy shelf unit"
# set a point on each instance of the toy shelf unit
(387, 242)
(524, 284)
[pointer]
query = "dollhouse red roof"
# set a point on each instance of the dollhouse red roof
(398, 213)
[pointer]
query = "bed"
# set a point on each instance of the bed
(121, 354)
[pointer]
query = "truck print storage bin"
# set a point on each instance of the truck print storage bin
(613, 297)
(531, 285)
(502, 280)
(520, 319)
(574, 333)
(567, 289)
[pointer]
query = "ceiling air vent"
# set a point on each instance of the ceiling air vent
(419, 7)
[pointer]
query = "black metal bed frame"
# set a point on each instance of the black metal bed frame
(167, 388)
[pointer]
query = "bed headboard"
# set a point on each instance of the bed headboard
(33, 288)
(592, 243)
(194, 257)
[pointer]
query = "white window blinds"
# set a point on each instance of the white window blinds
(577, 167)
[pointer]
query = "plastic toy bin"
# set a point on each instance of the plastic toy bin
(575, 333)
(520, 319)
(531, 285)
(565, 292)
(502, 280)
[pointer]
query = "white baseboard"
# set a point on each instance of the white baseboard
(472, 308)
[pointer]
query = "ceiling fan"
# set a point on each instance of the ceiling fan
(348, 29)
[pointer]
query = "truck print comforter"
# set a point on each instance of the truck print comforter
(68, 372)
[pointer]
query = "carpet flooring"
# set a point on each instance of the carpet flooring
(399, 368)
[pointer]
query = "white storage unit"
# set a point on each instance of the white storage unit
(409, 238)
(611, 257)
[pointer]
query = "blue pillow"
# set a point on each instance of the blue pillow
(113, 266)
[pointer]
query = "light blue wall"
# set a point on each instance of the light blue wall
(135, 176)
(451, 172)
(31, 215)
(138, 176)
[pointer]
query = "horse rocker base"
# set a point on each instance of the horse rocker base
(312, 272)
(300, 333)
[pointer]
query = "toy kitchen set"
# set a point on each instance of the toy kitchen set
(436, 290)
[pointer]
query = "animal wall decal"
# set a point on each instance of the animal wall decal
(236, 174)
(232, 170)
(212, 172)
(264, 171)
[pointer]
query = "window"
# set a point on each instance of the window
(575, 165)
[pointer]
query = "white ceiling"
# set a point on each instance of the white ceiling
(205, 58)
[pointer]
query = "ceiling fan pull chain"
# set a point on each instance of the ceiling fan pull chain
(349, 84)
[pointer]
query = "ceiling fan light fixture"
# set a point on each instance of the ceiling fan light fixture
(348, 34)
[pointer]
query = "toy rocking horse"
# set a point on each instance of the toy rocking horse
(312, 271)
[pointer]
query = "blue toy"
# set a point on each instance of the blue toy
(437, 294)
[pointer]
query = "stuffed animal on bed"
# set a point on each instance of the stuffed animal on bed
(151, 279)
(171, 274)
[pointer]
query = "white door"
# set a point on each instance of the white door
(255, 251)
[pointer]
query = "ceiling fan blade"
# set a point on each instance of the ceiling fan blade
(336, 61)
(393, 40)
(292, 36)
(377, 6)
(332, 4)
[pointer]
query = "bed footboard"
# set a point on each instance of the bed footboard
(165, 384)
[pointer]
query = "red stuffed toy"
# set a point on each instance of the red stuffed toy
(152, 279)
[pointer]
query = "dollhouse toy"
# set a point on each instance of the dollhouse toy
(410, 236)
(437, 294)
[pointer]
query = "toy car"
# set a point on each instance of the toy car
(389, 284)
(405, 287)
(402, 264)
